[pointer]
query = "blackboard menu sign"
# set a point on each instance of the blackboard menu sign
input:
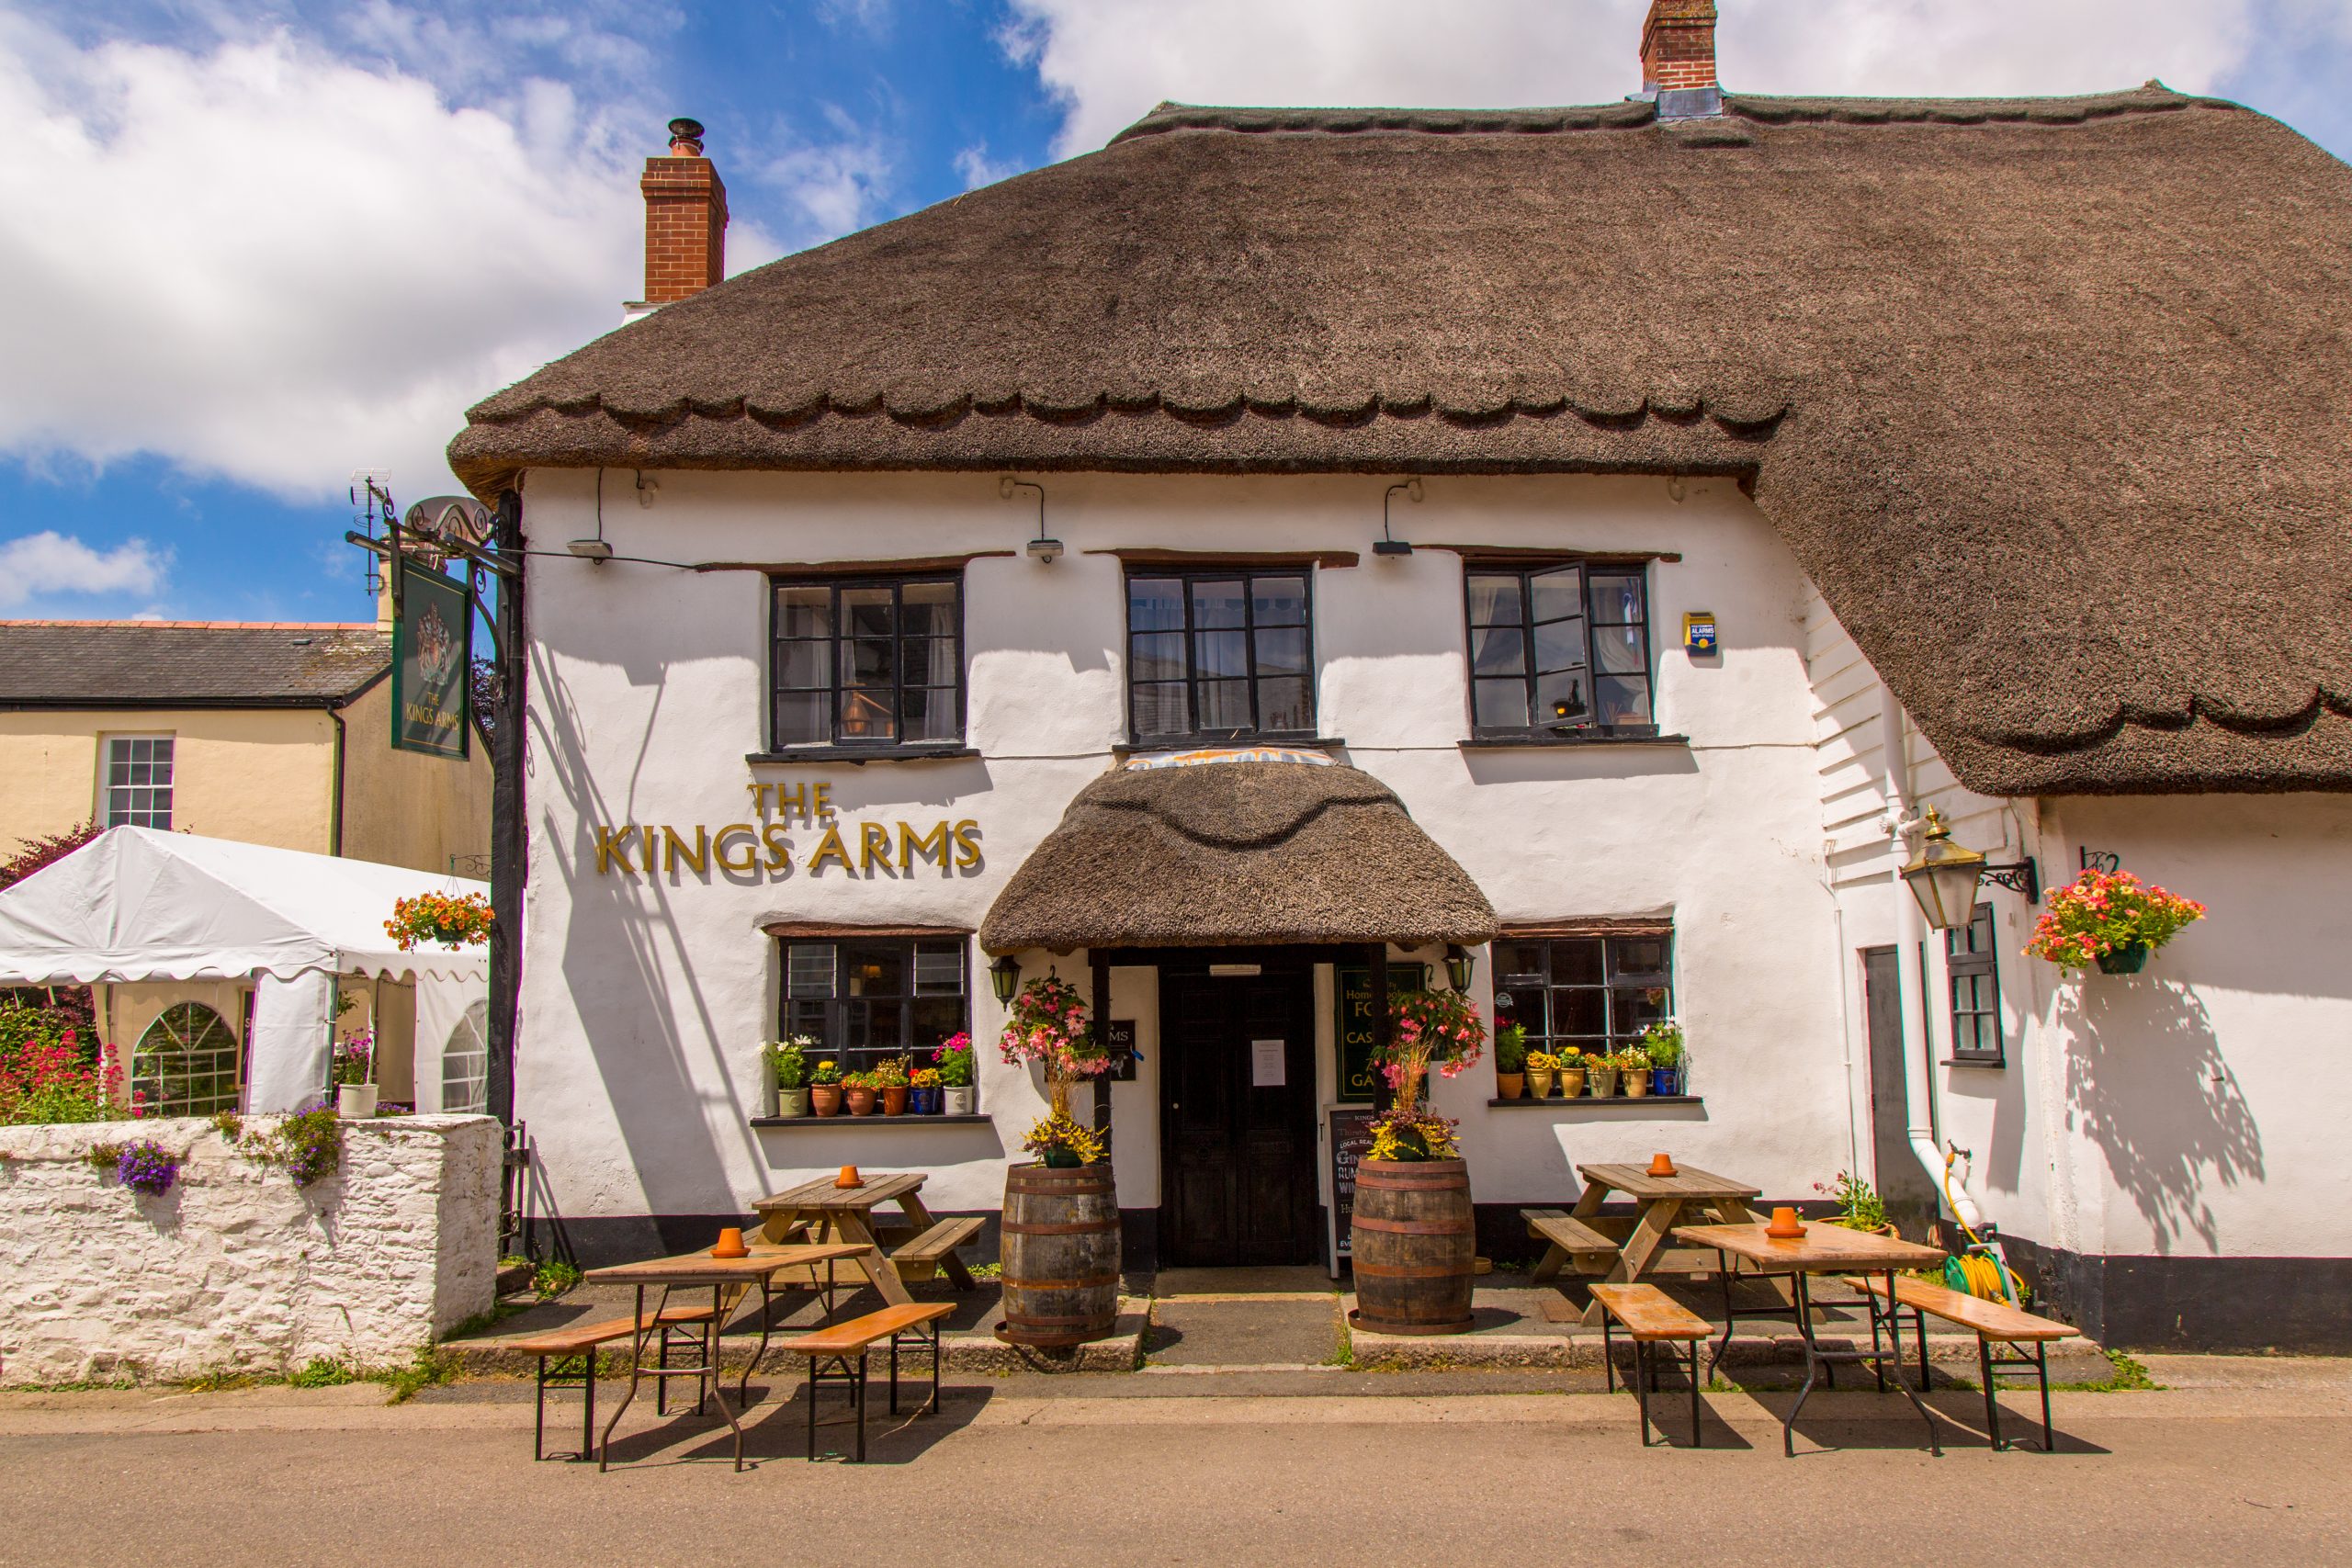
(1358, 1083)
(1351, 1140)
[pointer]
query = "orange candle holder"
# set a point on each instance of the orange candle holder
(731, 1243)
(1785, 1225)
(849, 1178)
(1661, 1164)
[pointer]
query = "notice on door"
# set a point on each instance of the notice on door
(1266, 1064)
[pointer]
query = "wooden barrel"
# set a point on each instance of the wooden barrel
(1414, 1247)
(1061, 1255)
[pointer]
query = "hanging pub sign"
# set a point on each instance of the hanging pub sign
(432, 656)
(1359, 1084)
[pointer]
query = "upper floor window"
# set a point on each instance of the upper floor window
(868, 661)
(866, 999)
(1596, 993)
(1970, 964)
(1218, 654)
(1559, 649)
(137, 791)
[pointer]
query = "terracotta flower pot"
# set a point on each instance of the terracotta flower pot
(1510, 1085)
(825, 1098)
(860, 1101)
(894, 1100)
(1636, 1081)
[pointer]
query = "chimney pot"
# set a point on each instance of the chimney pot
(685, 137)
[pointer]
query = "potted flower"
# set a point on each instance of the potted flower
(1572, 1065)
(954, 1060)
(922, 1091)
(1427, 1029)
(1541, 1067)
(890, 1081)
(2111, 918)
(1062, 1143)
(1634, 1072)
(144, 1166)
(1601, 1075)
(1662, 1043)
(1049, 1027)
(825, 1089)
(461, 921)
(859, 1091)
(788, 1060)
(1860, 1208)
(1510, 1062)
(353, 1065)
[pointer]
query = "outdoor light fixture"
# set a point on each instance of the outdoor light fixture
(1004, 978)
(1457, 967)
(1944, 876)
(591, 550)
(1041, 550)
(1387, 543)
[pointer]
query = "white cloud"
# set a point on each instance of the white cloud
(974, 165)
(43, 565)
(267, 263)
(1110, 61)
(836, 186)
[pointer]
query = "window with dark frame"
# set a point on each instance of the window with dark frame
(1974, 975)
(1218, 654)
(868, 1000)
(1559, 650)
(867, 662)
(1595, 993)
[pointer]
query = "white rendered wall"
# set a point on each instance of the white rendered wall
(646, 997)
(235, 1268)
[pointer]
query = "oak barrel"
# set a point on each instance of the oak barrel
(1414, 1247)
(1062, 1254)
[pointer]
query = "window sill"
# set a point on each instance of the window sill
(1524, 742)
(1993, 1062)
(860, 754)
(876, 1119)
(1162, 743)
(1586, 1101)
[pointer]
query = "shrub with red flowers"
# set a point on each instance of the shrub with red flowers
(61, 1083)
(1427, 1029)
(1050, 1026)
(456, 921)
(2109, 912)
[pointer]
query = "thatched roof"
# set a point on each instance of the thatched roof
(1232, 854)
(2048, 396)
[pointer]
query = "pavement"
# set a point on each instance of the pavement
(2235, 1460)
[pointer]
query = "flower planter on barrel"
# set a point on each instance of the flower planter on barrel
(1060, 1252)
(1413, 1245)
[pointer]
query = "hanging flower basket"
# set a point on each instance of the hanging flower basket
(2112, 920)
(462, 920)
(1050, 1026)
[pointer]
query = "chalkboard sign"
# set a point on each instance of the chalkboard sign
(1351, 1140)
(1358, 1084)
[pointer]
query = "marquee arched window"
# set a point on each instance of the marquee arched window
(464, 1065)
(186, 1065)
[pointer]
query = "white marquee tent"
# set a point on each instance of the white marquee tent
(135, 905)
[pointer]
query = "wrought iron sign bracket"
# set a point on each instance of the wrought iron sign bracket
(2017, 877)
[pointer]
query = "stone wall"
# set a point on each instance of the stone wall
(235, 1268)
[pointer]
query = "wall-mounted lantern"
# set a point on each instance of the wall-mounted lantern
(1004, 979)
(1457, 967)
(1944, 876)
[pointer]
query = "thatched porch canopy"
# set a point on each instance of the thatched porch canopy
(1239, 853)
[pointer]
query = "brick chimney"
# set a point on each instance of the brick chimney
(685, 222)
(1679, 58)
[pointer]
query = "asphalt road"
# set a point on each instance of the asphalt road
(2212, 1474)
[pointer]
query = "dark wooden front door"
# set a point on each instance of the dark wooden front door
(1237, 1154)
(1909, 1196)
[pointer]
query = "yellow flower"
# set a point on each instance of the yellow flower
(826, 1063)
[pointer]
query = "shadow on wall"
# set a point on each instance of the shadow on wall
(2146, 1080)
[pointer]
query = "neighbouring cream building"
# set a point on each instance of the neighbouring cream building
(270, 733)
(1024, 577)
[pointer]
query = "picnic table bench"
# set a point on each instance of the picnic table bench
(844, 1346)
(1991, 1321)
(580, 1340)
(916, 1250)
(1652, 1318)
(1595, 1245)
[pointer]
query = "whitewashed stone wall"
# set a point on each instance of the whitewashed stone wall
(235, 1268)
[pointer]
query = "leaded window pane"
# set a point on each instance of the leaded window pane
(1219, 654)
(868, 662)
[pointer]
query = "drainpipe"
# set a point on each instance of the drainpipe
(334, 829)
(1910, 938)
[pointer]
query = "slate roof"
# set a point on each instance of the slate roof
(2048, 397)
(149, 664)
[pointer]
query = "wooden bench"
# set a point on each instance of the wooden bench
(1567, 1237)
(844, 1346)
(1652, 1318)
(923, 1255)
(581, 1340)
(1991, 1321)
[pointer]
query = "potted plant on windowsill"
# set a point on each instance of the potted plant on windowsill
(2111, 918)
(825, 1089)
(953, 1061)
(1542, 1069)
(1662, 1043)
(789, 1064)
(859, 1091)
(1601, 1075)
(1510, 1062)
(922, 1091)
(1573, 1063)
(890, 1082)
(355, 1061)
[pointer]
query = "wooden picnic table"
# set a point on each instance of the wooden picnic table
(727, 1279)
(846, 1214)
(1660, 1201)
(1824, 1248)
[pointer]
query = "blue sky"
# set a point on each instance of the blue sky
(247, 251)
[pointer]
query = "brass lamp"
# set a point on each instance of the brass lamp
(1004, 978)
(1457, 967)
(1944, 876)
